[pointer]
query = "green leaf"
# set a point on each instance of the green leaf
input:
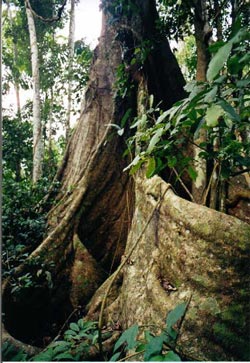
(45, 356)
(150, 167)
(74, 327)
(136, 167)
(88, 325)
(213, 114)
(140, 348)
(148, 336)
(172, 161)
(210, 96)
(155, 139)
(140, 122)
(156, 358)
(154, 347)
(70, 332)
(192, 173)
(129, 337)
(64, 356)
(151, 101)
(199, 127)
(173, 317)
(162, 117)
(60, 346)
(133, 163)
(80, 323)
(171, 357)
(125, 117)
(218, 61)
(120, 132)
(232, 114)
(19, 357)
(115, 357)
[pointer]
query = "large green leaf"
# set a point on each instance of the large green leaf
(150, 167)
(155, 139)
(154, 347)
(173, 317)
(134, 162)
(213, 114)
(115, 357)
(74, 326)
(232, 114)
(156, 358)
(218, 60)
(162, 117)
(64, 356)
(129, 337)
(171, 357)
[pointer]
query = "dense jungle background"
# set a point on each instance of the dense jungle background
(126, 175)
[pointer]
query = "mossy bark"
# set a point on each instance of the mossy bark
(101, 212)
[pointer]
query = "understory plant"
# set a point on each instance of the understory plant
(220, 106)
(76, 343)
(82, 335)
(135, 341)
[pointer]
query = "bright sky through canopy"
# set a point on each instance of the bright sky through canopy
(88, 21)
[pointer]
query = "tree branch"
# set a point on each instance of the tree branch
(47, 20)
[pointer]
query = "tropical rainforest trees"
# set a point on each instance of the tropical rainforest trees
(37, 123)
(125, 249)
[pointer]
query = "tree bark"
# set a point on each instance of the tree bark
(202, 35)
(15, 54)
(116, 236)
(37, 124)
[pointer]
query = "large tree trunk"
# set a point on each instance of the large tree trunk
(101, 214)
(37, 124)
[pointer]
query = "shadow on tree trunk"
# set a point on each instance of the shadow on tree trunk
(100, 213)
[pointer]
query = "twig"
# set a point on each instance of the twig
(204, 199)
(131, 355)
(47, 20)
(247, 170)
(183, 185)
(182, 319)
(100, 321)
(65, 323)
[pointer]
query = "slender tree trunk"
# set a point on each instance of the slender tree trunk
(37, 124)
(15, 53)
(16, 83)
(50, 131)
(202, 35)
(70, 65)
(218, 19)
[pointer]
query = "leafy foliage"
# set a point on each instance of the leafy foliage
(82, 335)
(220, 106)
(17, 146)
(12, 354)
(153, 347)
(187, 57)
(77, 342)
(22, 224)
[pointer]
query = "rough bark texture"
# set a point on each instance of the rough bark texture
(186, 245)
(202, 35)
(101, 213)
